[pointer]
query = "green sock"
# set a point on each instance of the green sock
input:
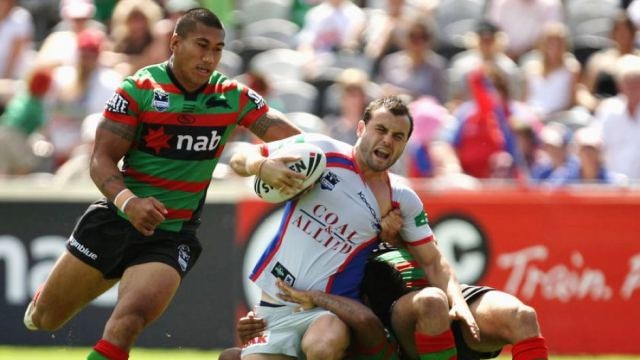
(94, 355)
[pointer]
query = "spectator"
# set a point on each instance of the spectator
(598, 80)
(619, 117)
(416, 70)
(76, 92)
(591, 168)
(23, 117)
(427, 156)
(484, 140)
(555, 138)
(353, 99)
(485, 47)
(523, 21)
(531, 160)
(59, 47)
(384, 30)
(552, 75)
(331, 26)
(132, 36)
(16, 40)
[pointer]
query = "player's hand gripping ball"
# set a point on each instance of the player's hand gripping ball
(312, 163)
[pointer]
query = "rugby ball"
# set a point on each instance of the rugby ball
(312, 163)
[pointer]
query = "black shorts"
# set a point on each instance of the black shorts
(109, 243)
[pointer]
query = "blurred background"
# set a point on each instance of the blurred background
(526, 149)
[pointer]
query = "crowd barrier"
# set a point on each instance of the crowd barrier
(573, 254)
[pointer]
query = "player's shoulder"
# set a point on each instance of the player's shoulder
(402, 191)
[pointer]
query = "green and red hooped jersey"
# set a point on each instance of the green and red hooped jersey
(179, 136)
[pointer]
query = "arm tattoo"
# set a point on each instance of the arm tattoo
(260, 126)
(113, 178)
(124, 131)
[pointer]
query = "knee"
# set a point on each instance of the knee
(230, 354)
(329, 347)
(527, 320)
(47, 319)
(320, 351)
(431, 302)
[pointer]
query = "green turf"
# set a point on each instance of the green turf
(79, 353)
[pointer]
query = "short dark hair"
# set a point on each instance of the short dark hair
(187, 22)
(394, 104)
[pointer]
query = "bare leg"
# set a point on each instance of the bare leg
(145, 292)
(503, 319)
(425, 311)
(327, 338)
(71, 285)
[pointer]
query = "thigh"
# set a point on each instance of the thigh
(490, 310)
(326, 331)
(71, 285)
(146, 289)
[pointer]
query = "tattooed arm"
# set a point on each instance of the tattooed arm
(368, 331)
(112, 142)
(273, 126)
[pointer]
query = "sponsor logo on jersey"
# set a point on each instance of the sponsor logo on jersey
(181, 142)
(421, 219)
(256, 98)
(117, 104)
(329, 181)
(215, 101)
(326, 228)
(160, 100)
(281, 272)
(184, 254)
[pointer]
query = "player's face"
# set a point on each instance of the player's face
(197, 55)
(382, 140)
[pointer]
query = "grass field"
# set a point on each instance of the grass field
(79, 353)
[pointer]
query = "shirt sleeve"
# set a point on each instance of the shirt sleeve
(416, 229)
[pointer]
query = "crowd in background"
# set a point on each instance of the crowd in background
(531, 91)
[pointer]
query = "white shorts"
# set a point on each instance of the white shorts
(285, 328)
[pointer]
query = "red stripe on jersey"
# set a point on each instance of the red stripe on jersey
(219, 88)
(182, 214)
(404, 265)
(133, 104)
(149, 84)
(169, 118)
(179, 185)
(420, 242)
(120, 118)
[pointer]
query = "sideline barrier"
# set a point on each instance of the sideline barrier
(574, 255)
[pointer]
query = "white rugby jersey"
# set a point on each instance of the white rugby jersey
(325, 236)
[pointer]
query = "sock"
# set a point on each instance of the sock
(28, 314)
(534, 348)
(438, 347)
(104, 350)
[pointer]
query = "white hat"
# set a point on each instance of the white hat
(77, 9)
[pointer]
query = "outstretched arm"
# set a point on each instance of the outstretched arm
(367, 328)
(248, 160)
(273, 126)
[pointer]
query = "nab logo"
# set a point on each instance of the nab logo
(214, 102)
(198, 143)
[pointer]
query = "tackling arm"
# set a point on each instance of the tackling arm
(367, 328)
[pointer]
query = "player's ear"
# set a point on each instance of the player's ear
(174, 42)
(361, 127)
